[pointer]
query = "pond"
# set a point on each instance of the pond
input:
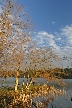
(59, 101)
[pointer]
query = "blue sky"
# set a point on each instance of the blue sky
(53, 24)
(52, 21)
(49, 15)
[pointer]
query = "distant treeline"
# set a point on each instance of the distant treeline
(65, 73)
(68, 72)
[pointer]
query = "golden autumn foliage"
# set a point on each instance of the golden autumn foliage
(18, 52)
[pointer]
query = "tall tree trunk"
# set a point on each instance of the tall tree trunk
(16, 81)
(17, 73)
(16, 84)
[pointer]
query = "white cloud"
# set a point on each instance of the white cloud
(10, 16)
(59, 38)
(53, 22)
(60, 42)
(67, 31)
(44, 38)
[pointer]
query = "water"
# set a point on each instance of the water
(64, 101)
(59, 101)
(11, 81)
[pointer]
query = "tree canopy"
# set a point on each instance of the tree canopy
(17, 50)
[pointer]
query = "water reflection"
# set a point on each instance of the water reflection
(11, 81)
(63, 101)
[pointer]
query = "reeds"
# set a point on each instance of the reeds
(26, 94)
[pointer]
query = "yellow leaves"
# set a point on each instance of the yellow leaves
(0, 34)
(0, 48)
